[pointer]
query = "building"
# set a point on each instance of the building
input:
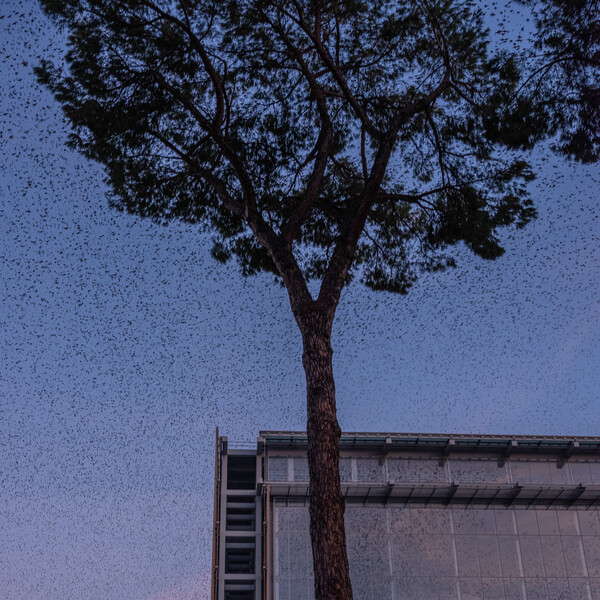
(428, 517)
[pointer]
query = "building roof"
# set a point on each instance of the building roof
(444, 444)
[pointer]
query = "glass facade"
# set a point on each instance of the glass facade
(408, 553)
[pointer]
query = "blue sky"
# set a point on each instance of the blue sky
(123, 346)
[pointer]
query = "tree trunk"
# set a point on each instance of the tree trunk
(327, 533)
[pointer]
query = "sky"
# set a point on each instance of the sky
(123, 345)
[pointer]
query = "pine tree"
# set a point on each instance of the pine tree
(313, 139)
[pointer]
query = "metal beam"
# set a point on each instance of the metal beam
(516, 491)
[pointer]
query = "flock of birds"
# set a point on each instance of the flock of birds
(123, 345)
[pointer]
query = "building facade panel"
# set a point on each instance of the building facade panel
(412, 552)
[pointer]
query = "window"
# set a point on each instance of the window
(241, 472)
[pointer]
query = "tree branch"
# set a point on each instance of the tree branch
(336, 72)
(324, 141)
(217, 184)
(410, 110)
(354, 222)
(217, 136)
(438, 146)
(283, 258)
(291, 227)
(197, 45)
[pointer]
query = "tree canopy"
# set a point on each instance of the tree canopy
(289, 120)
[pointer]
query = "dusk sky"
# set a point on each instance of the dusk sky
(123, 346)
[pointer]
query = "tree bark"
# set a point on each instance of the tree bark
(328, 537)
